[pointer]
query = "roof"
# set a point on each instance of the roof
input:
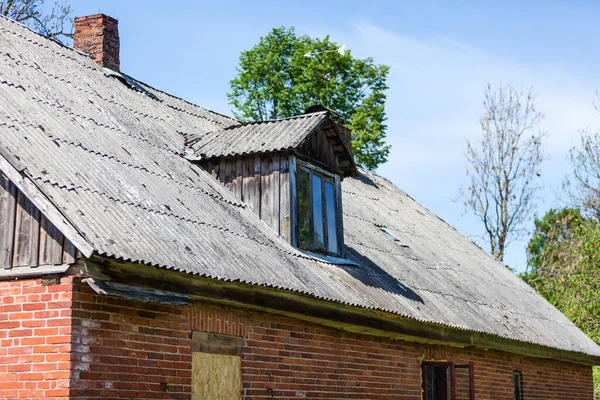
(111, 160)
(284, 134)
(256, 137)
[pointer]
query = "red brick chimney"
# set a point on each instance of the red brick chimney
(98, 36)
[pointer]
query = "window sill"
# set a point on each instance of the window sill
(329, 259)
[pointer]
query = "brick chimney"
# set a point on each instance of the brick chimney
(98, 36)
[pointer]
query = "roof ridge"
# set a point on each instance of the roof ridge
(277, 119)
(185, 101)
(82, 54)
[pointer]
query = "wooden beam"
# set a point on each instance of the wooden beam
(29, 272)
(206, 342)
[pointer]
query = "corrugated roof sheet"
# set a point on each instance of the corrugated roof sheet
(111, 159)
(256, 137)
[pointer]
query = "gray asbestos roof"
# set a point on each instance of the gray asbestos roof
(256, 137)
(111, 160)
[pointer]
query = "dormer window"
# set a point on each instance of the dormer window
(288, 172)
(318, 214)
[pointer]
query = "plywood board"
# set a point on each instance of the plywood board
(216, 377)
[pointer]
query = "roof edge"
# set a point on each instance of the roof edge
(45, 205)
(328, 312)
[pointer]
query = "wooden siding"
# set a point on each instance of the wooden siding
(318, 146)
(27, 238)
(262, 182)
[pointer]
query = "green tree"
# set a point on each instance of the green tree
(275, 79)
(564, 267)
(554, 234)
(53, 21)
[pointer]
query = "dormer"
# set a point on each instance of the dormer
(287, 171)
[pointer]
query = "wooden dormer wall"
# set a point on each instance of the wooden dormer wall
(27, 237)
(317, 147)
(262, 181)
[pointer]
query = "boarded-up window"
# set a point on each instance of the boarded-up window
(216, 367)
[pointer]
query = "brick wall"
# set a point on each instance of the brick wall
(35, 335)
(126, 349)
(98, 36)
(60, 340)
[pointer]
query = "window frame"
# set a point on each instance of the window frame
(518, 377)
(325, 176)
(452, 376)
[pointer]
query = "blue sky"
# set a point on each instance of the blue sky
(441, 54)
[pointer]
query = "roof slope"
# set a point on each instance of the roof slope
(111, 160)
(256, 137)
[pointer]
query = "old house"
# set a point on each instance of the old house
(153, 249)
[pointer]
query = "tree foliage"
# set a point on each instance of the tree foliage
(53, 21)
(554, 234)
(583, 185)
(564, 267)
(275, 80)
(504, 165)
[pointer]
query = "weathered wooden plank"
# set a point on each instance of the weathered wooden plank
(69, 252)
(229, 173)
(237, 179)
(293, 202)
(222, 170)
(8, 204)
(269, 188)
(216, 376)
(206, 342)
(51, 239)
(27, 233)
(251, 182)
(284, 198)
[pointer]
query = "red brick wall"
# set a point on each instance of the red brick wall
(125, 349)
(35, 335)
(98, 36)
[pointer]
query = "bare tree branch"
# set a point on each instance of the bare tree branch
(49, 21)
(504, 166)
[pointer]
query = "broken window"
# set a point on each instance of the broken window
(318, 210)
(448, 381)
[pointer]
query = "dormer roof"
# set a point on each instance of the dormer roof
(279, 135)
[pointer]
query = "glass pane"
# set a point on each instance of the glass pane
(303, 204)
(332, 246)
(317, 212)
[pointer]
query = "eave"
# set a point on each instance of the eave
(173, 284)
